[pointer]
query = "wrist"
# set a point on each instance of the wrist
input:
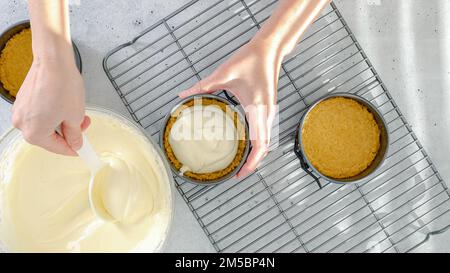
(54, 48)
(268, 47)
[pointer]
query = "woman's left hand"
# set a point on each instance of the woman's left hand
(251, 75)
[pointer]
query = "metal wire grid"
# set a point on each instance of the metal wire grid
(279, 208)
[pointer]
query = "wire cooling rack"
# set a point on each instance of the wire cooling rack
(279, 208)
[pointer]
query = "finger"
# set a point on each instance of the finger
(85, 124)
(207, 85)
(257, 154)
(259, 136)
(259, 124)
(72, 135)
(57, 144)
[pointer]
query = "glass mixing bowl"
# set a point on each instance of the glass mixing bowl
(12, 137)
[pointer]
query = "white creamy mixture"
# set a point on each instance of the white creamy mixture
(44, 196)
(204, 139)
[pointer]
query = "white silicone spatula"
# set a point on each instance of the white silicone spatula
(93, 162)
(90, 157)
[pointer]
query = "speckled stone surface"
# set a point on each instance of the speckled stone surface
(407, 41)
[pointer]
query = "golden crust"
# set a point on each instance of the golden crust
(340, 137)
(214, 175)
(15, 61)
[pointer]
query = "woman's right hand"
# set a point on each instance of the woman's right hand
(52, 95)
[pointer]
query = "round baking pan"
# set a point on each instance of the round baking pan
(376, 163)
(8, 34)
(242, 119)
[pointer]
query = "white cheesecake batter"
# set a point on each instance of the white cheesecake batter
(204, 139)
(44, 196)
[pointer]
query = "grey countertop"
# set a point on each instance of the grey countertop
(407, 41)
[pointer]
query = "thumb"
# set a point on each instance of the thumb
(260, 126)
(72, 134)
(256, 155)
(207, 85)
(85, 124)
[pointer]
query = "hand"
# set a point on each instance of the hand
(251, 75)
(52, 95)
